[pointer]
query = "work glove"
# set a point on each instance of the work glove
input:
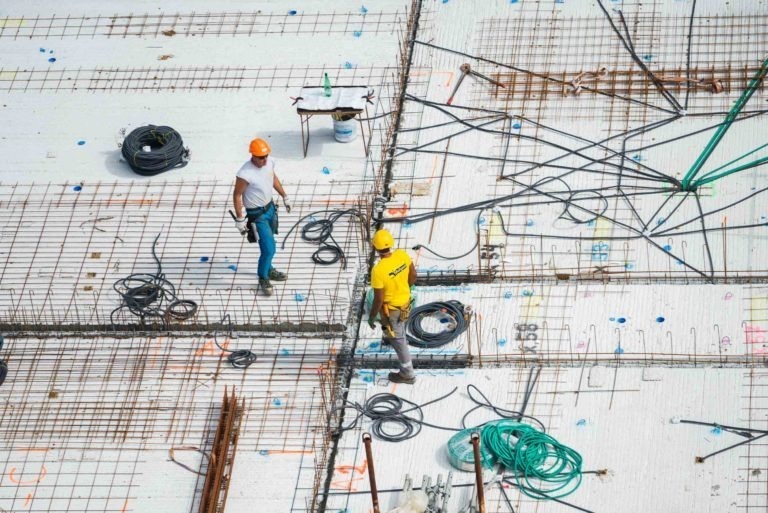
(371, 323)
(287, 204)
(242, 225)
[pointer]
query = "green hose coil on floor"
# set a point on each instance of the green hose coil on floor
(532, 455)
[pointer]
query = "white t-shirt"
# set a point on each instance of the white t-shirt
(260, 183)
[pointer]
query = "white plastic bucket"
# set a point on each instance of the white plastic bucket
(345, 131)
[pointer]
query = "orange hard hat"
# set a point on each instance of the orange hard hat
(259, 148)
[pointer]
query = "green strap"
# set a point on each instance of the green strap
(708, 179)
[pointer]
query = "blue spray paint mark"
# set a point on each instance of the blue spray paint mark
(363, 10)
(660, 319)
(42, 50)
(299, 297)
(619, 350)
(445, 1)
(517, 126)
(647, 57)
(513, 1)
(660, 220)
(621, 320)
(292, 12)
(264, 452)
(406, 224)
(637, 157)
(277, 402)
(203, 258)
(717, 430)
(667, 247)
(559, 1)
(326, 171)
(508, 295)
(52, 59)
(529, 222)
(232, 267)
(285, 352)
(348, 65)
(77, 188)
(629, 265)
(527, 293)
(581, 422)
(357, 33)
(80, 142)
(591, 223)
(51, 51)
(501, 342)
(374, 345)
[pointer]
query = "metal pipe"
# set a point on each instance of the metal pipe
(371, 473)
(475, 439)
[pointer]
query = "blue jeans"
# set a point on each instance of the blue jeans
(266, 241)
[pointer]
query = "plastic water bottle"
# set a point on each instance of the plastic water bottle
(326, 85)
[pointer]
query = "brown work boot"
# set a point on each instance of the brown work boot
(396, 377)
(266, 287)
(276, 275)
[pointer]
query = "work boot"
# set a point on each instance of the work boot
(276, 275)
(396, 377)
(266, 287)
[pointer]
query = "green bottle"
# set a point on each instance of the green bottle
(326, 85)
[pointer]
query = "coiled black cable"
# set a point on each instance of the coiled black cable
(143, 294)
(238, 358)
(166, 150)
(417, 336)
(320, 231)
(390, 422)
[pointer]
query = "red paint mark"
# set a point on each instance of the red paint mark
(12, 477)
(125, 507)
(29, 499)
(362, 469)
(398, 211)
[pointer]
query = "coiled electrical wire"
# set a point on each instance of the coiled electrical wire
(320, 231)
(143, 294)
(390, 421)
(166, 150)
(238, 358)
(417, 336)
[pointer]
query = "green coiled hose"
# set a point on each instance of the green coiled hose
(542, 467)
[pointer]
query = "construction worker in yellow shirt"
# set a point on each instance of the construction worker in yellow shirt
(391, 280)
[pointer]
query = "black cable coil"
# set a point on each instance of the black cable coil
(166, 150)
(418, 337)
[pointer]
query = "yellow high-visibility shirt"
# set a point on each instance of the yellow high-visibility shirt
(391, 274)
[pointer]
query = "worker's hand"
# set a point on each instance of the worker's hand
(371, 323)
(287, 204)
(242, 225)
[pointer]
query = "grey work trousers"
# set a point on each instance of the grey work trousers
(399, 343)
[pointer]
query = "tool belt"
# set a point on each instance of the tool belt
(405, 311)
(254, 214)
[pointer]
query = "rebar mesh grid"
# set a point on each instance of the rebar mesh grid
(208, 24)
(95, 234)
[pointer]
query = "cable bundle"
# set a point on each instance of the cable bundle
(390, 422)
(238, 358)
(166, 150)
(533, 455)
(418, 337)
(319, 231)
(143, 294)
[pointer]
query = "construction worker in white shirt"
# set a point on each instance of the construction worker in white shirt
(391, 281)
(255, 211)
